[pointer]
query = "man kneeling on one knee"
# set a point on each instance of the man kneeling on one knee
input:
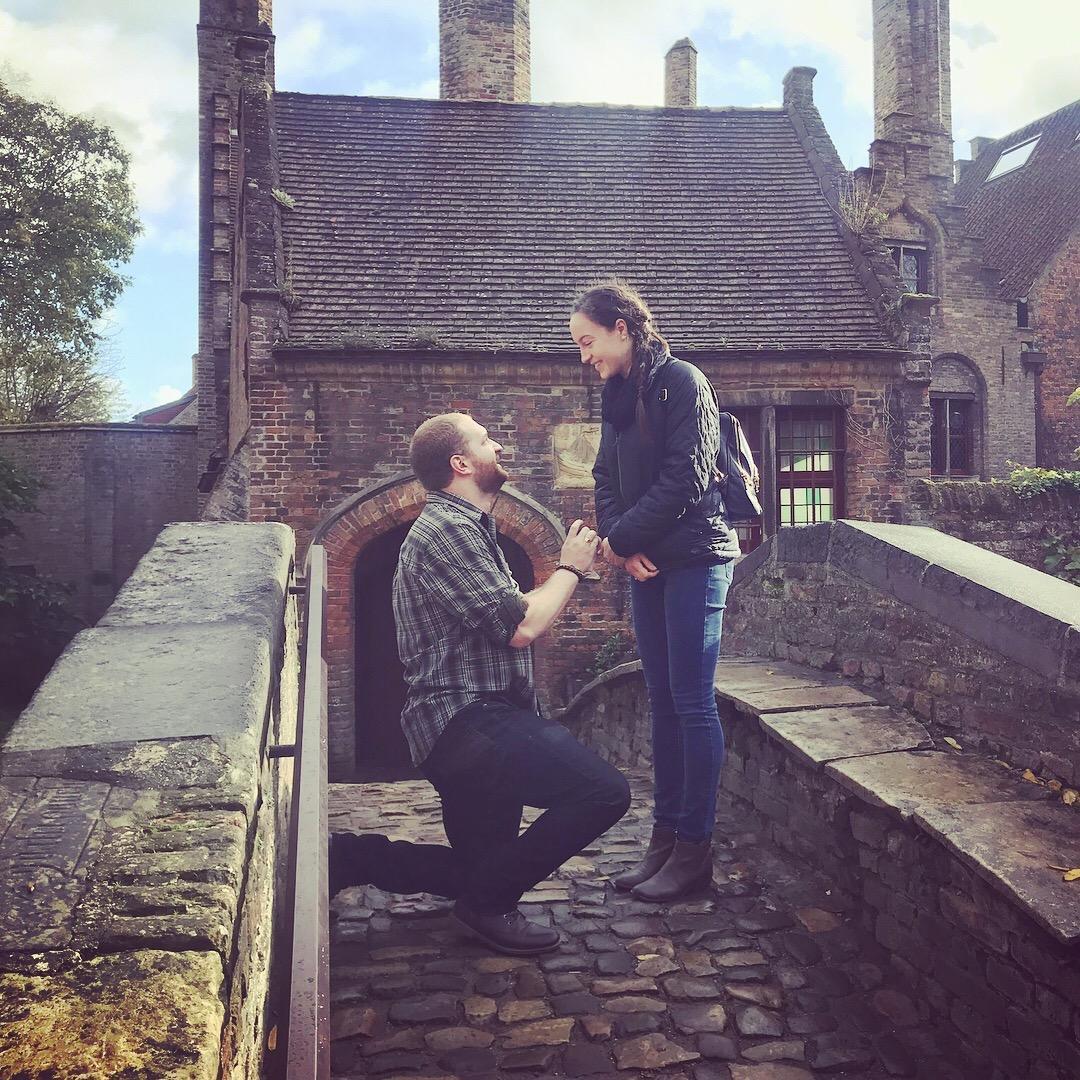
(464, 632)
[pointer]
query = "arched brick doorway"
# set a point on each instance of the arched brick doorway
(362, 537)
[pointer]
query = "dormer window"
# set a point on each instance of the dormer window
(911, 261)
(1012, 159)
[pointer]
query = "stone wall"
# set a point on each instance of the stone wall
(947, 850)
(141, 821)
(109, 488)
(996, 518)
(977, 646)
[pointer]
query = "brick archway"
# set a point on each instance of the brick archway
(363, 518)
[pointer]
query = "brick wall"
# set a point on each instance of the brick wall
(326, 429)
(484, 50)
(996, 518)
(110, 488)
(680, 75)
(1055, 315)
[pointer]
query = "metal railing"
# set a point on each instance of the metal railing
(307, 1035)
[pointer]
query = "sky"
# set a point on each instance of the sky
(131, 64)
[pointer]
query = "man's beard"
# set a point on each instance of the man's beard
(490, 477)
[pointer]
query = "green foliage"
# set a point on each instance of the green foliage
(67, 222)
(1027, 481)
(284, 198)
(35, 624)
(617, 649)
(1061, 557)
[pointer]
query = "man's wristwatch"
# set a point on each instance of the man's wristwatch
(581, 575)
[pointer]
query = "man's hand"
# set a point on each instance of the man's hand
(580, 547)
(610, 557)
(640, 567)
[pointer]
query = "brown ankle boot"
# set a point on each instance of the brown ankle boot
(663, 840)
(689, 867)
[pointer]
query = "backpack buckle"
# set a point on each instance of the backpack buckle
(662, 395)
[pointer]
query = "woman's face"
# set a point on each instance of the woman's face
(608, 352)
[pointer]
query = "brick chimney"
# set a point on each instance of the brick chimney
(484, 50)
(978, 145)
(680, 75)
(912, 86)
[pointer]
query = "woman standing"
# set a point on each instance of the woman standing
(660, 512)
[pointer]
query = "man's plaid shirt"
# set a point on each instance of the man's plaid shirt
(456, 608)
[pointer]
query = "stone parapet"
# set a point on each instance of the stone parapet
(140, 821)
(945, 857)
(979, 647)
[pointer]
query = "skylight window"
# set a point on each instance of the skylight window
(1013, 158)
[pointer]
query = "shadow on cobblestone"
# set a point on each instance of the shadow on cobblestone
(763, 976)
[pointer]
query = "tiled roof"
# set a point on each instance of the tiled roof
(1025, 215)
(474, 223)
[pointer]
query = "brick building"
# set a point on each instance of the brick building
(1022, 193)
(997, 246)
(366, 262)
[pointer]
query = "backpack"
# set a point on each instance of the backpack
(736, 472)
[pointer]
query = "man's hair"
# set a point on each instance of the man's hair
(433, 444)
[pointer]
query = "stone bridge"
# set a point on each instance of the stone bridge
(888, 899)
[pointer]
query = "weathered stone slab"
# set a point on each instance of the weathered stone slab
(116, 684)
(806, 697)
(144, 1013)
(205, 773)
(1018, 611)
(13, 793)
(40, 855)
(761, 674)
(209, 572)
(1012, 846)
(908, 781)
(821, 735)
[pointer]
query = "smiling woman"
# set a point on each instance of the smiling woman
(659, 510)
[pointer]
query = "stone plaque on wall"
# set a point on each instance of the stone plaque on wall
(574, 448)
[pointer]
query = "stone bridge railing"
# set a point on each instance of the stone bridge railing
(141, 818)
(911, 727)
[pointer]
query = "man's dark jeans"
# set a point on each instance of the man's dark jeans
(491, 761)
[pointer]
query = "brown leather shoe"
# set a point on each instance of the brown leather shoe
(509, 933)
(663, 840)
(689, 867)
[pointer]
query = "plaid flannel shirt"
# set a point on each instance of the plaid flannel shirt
(456, 607)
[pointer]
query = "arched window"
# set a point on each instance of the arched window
(956, 428)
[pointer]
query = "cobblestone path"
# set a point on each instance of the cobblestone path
(761, 977)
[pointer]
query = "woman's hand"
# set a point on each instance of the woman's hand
(610, 557)
(640, 567)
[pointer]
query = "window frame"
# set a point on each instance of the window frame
(946, 400)
(994, 174)
(922, 253)
(792, 479)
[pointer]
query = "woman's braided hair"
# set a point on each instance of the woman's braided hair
(612, 299)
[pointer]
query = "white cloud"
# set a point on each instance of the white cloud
(138, 81)
(613, 50)
(164, 394)
(308, 46)
(1011, 64)
(429, 88)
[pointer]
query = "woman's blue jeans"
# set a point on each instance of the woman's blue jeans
(678, 617)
